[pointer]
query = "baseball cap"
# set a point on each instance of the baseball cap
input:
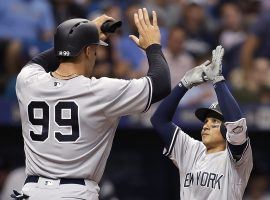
(213, 111)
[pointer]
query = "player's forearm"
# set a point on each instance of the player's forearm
(158, 72)
(47, 60)
(162, 118)
(227, 103)
(236, 129)
(167, 108)
(237, 150)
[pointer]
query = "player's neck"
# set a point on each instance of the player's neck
(215, 149)
(71, 69)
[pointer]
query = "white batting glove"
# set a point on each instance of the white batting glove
(214, 70)
(195, 76)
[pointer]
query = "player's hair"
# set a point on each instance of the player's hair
(67, 59)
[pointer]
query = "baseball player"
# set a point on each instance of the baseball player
(69, 118)
(219, 166)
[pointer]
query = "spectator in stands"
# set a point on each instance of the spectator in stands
(179, 60)
(248, 88)
(26, 20)
(200, 40)
(67, 9)
(265, 95)
(122, 69)
(22, 25)
(257, 43)
(103, 63)
(114, 11)
(10, 61)
(168, 11)
(259, 186)
(126, 47)
(231, 36)
(250, 10)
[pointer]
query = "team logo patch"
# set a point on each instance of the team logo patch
(214, 105)
(57, 84)
(48, 183)
(237, 129)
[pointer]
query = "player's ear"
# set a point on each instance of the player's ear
(91, 50)
(223, 130)
(87, 51)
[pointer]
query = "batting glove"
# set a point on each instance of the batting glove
(214, 70)
(195, 76)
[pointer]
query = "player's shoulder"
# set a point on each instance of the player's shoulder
(107, 80)
(187, 139)
(29, 71)
(109, 83)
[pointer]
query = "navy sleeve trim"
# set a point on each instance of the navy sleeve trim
(150, 94)
(237, 157)
(159, 72)
(227, 103)
(47, 60)
(169, 151)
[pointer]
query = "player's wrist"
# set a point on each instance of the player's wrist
(218, 79)
(184, 83)
(153, 47)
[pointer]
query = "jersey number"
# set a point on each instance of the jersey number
(60, 121)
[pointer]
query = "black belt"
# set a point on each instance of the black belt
(34, 179)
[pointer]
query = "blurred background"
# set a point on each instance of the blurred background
(190, 29)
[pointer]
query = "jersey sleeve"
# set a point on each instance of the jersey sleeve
(242, 167)
(183, 149)
(123, 97)
(28, 75)
(237, 135)
(30, 70)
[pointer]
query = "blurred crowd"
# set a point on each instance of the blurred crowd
(190, 29)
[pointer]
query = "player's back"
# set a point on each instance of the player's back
(67, 127)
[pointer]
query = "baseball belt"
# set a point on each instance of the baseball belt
(34, 179)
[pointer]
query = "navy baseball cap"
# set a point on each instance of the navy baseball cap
(213, 111)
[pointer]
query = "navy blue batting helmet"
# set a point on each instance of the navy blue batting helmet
(73, 35)
(213, 111)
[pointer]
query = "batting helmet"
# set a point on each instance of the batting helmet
(213, 111)
(73, 35)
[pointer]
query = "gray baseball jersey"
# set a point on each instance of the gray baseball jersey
(209, 176)
(68, 125)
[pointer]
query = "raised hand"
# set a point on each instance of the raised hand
(148, 33)
(195, 76)
(99, 21)
(214, 71)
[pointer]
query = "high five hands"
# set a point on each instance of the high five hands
(206, 71)
(148, 33)
(214, 71)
